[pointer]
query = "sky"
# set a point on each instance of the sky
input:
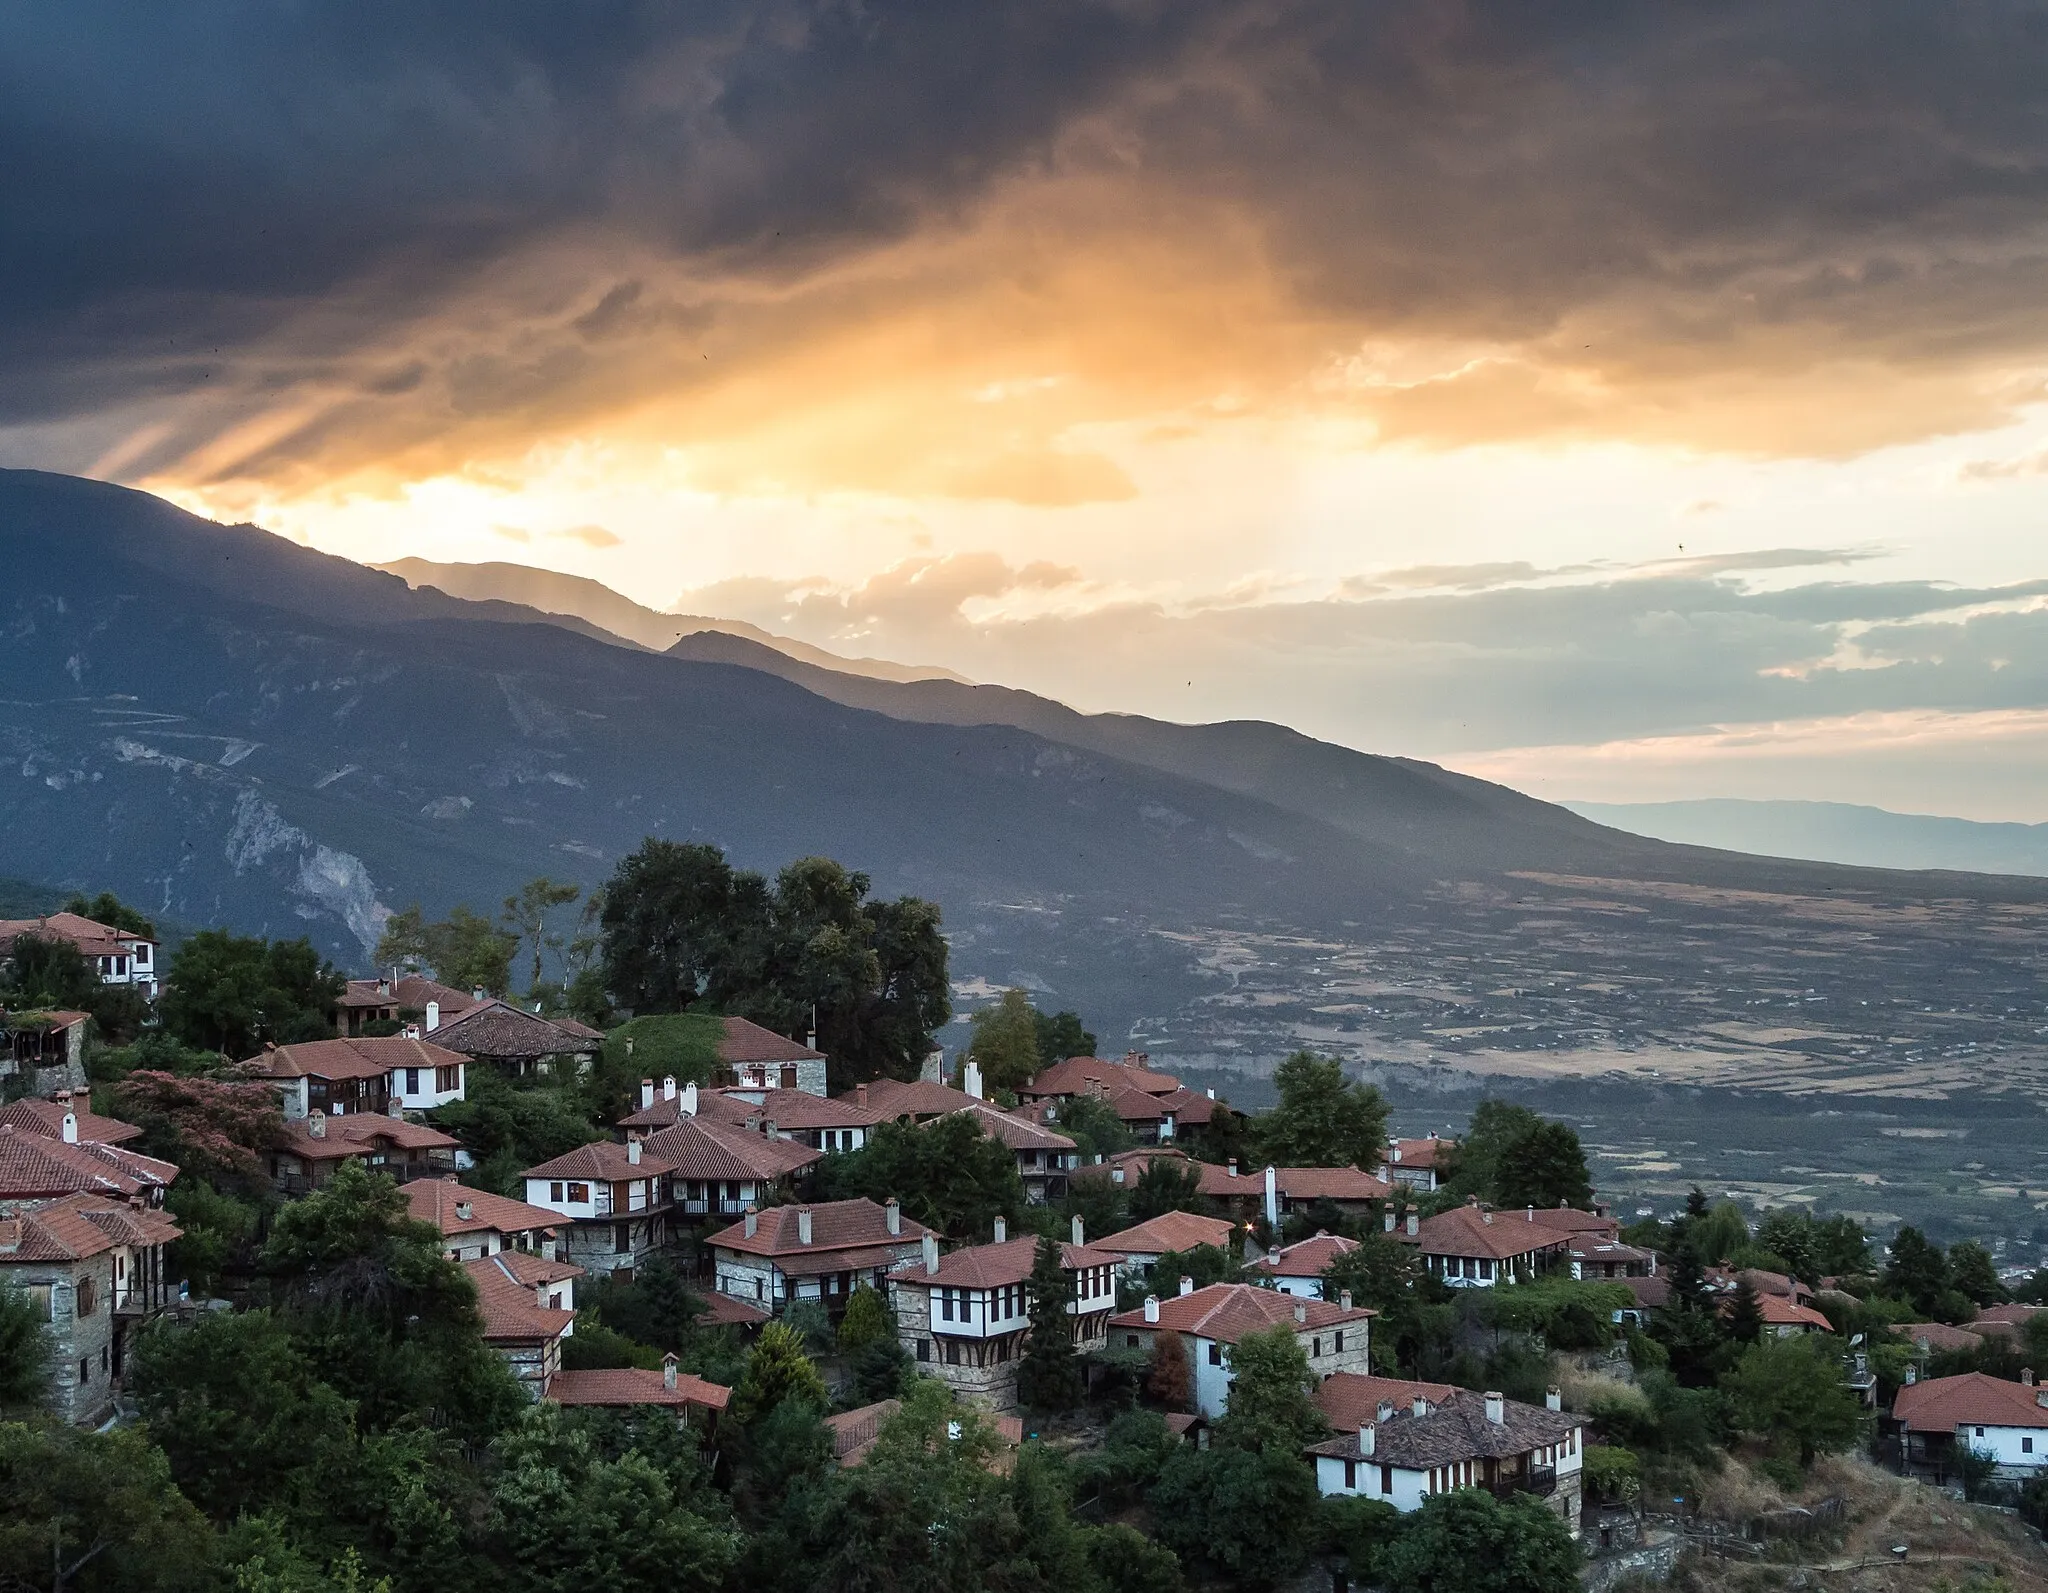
(1628, 402)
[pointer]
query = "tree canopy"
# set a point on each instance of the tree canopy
(230, 993)
(1322, 1120)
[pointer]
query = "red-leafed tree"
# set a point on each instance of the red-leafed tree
(212, 1130)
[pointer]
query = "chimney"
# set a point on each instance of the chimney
(811, 1040)
(646, 1094)
(767, 1128)
(1273, 1254)
(1532, 1215)
(1486, 1216)
(1553, 1398)
(633, 1152)
(1151, 1308)
(1397, 1151)
(384, 987)
(1212, 1094)
(931, 1253)
(689, 1100)
(316, 1124)
(1272, 1197)
(860, 1096)
(540, 1295)
(668, 1370)
(1002, 1231)
(462, 1210)
(803, 1225)
(1365, 1440)
(1912, 1374)
(1301, 1313)
(396, 1108)
(970, 1079)
(893, 1214)
(476, 994)
(2027, 1376)
(1386, 1410)
(1187, 1286)
(1420, 1407)
(1344, 1299)
(70, 1126)
(668, 1087)
(1414, 1224)
(753, 1222)
(1496, 1408)
(1390, 1219)
(433, 1016)
(1233, 1169)
(1078, 1231)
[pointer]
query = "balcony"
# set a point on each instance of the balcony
(1538, 1481)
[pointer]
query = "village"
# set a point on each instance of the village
(1058, 1252)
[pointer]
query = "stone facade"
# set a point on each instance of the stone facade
(77, 1297)
(983, 1370)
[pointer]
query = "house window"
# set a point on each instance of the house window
(945, 1305)
(924, 1349)
(1340, 1341)
(412, 1081)
(84, 1372)
(1351, 1476)
(622, 1238)
(89, 1299)
(1980, 1431)
(1215, 1353)
(579, 1194)
(447, 1079)
(1130, 1341)
(555, 1192)
(2026, 1446)
(1315, 1348)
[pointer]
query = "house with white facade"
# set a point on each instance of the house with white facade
(528, 1306)
(613, 1198)
(717, 1170)
(474, 1223)
(365, 1074)
(118, 956)
(1298, 1268)
(965, 1316)
(819, 1252)
(316, 1146)
(1472, 1247)
(821, 1122)
(1418, 1164)
(2008, 1422)
(1413, 1445)
(1209, 1321)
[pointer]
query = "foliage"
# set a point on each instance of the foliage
(1360, 1531)
(656, 1308)
(813, 1323)
(103, 1507)
(1169, 1379)
(1321, 1120)
(25, 1349)
(777, 1370)
(867, 1319)
(878, 1371)
(1236, 1512)
(1061, 1036)
(1134, 1451)
(1272, 1394)
(527, 914)
(1466, 1541)
(1745, 1314)
(1166, 1184)
(465, 949)
(107, 908)
(508, 1125)
(1973, 1274)
(1512, 1157)
(1565, 1312)
(1005, 1041)
(1049, 1377)
(1791, 1390)
(210, 1129)
(596, 1344)
(230, 993)
(1093, 1126)
(947, 1173)
(44, 972)
(1815, 1248)
(1613, 1474)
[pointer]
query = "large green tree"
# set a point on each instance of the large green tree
(1272, 1395)
(1917, 1271)
(1466, 1541)
(778, 1370)
(1238, 1513)
(1321, 1119)
(1792, 1390)
(230, 993)
(947, 1173)
(1005, 1042)
(42, 971)
(99, 1511)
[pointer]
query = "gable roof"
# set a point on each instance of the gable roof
(789, 1109)
(746, 1041)
(35, 1167)
(1015, 1132)
(1938, 1336)
(363, 1057)
(1094, 1075)
(91, 937)
(1131, 1163)
(357, 1134)
(510, 1303)
(854, 1431)
(436, 1200)
(1349, 1399)
(999, 1266)
(34, 1115)
(1567, 1219)
(2004, 1320)
(1306, 1258)
(1781, 1312)
(1227, 1311)
(496, 1028)
(836, 1226)
(50, 1233)
(1296, 1183)
(1432, 1152)
(632, 1385)
(1942, 1404)
(415, 991)
(1454, 1429)
(604, 1160)
(695, 1149)
(1171, 1230)
(911, 1098)
(1469, 1231)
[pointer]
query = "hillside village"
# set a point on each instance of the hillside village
(702, 1254)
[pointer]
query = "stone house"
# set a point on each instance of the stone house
(35, 1169)
(1210, 1321)
(820, 1252)
(46, 1050)
(1046, 1158)
(614, 1200)
(1470, 1247)
(528, 1306)
(751, 1057)
(717, 1171)
(1274, 1192)
(1418, 1164)
(317, 1145)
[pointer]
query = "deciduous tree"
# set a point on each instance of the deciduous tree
(230, 993)
(1466, 1541)
(1005, 1042)
(1792, 1390)
(1322, 1120)
(1272, 1394)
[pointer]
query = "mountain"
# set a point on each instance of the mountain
(566, 599)
(1834, 832)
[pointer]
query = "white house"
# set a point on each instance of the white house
(1417, 1163)
(1298, 1268)
(528, 1306)
(118, 956)
(1470, 1247)
(1409, 1449)
(819, 1252)
(1210, 1321)
(2006, 1421)
(474, 1223)
(615, 1200)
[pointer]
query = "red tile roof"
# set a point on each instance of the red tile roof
(631, 1385)
(34, 1115)
(1431, 1152)
(510, 1303)
(1350, 1399)
(92, 938)
(1781, 1312)
(1942, 1404)
(359, 1058)
(498, 1029)
(912, 1098)
(744, 1041)
(1938, 1336)
(854, 1431)
(435, 1200)
(1173, 1230)
(415, 991)
(1015, 1131)
(723, 1310)
(837, 1226)
(1093, 1075)
(790, 1109)
(1568, 1219)
(1227, 1311)
(2004, 1320)
(1497, 1235)
(1307, 1258)
(605, 1161)
(359, 1133)
(999, 1266)
(1131, 1163)
(33, 1167)
(51, 1233)
(1296, 1183)
(696, 1149)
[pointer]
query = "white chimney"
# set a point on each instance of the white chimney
(803, 1225)
(1187, 1285)
(1386, 1410)
(1365, 1440)
(1078, 1230)
(646, 1094)
(70, 1127)
(970, 1079)
(1553, 1398)
(1233, 1169)
(1420, 1407)
(668, 1370)
(893, 1214)
(753, 1222)
(1390, 1219)
(462, 1210)
(633, 1151)
(1151, 1308)
(316, 1124)
(1212, 1094)
(1397, 1150)
(668, 1087)
(1002, 1231)
(931, 1253)
(1912, 1374)
(433, 1016)
(476, 994)
(689, 1101)
(1344, 1299)
(1496, 1408)
(1272, 1197)
(1301, 1313)
(1414, 1224)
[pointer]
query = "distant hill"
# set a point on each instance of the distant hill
(1834, 832)
(573, 596)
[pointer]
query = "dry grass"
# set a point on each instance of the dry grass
(1583, 1388)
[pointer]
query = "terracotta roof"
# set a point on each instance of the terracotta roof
(1135, 1106)
(854, 1431)
(999, 1266)
(1347, 1399)
(913, 1098)
(1652, 1294)
(1774, 1283)
(1468, 1231)
(2004, 1320)
(1092, 1075)
(364, 1057)
(667, 1111)
(1455, 1429)
(357, 1134)
(1431, 1152)
(1567, 1219)
(1938, 1336)
(1781, 1312)
(631, 1385)
(839, 1226)
(51, 1233)
(1596, 1247)
(1228, 1311)
(368, 994)
(1307, 1258)
(92, 938)
(33, 1166)
(1190, 1108)
(1014, 1131)
(1296, 1183)
(435, 1200)
(725, 1310)
(1172, 1230)
(790, 1109)
(604, 1160)
(745, 1041)
(499, 1029)
(415, 991)
(1942, 1404)
(1131, 1163)
(700, 1150)
(510, 1303)
(34, 1115)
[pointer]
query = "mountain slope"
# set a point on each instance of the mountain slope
(1834, 832)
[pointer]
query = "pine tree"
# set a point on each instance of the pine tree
(1745, 1314)
(1049, 1377)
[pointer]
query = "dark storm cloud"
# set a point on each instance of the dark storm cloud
(1657, 194)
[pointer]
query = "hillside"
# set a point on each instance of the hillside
(1834, 832)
